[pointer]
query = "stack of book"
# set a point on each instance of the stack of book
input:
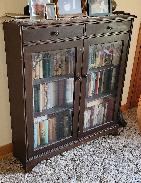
(102, 82)
(104, 54)
(52, 129)
(49, 95)
(98, 112)
(53, 63)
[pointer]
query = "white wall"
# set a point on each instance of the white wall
(17, 6)
(133, 7)
(5, 121)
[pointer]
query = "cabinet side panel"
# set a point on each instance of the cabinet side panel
(15, 75)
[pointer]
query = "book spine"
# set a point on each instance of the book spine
(113, 79)
(36, 126)
(61, 92)
(66, 126)
(41, 98)
(37, 98)
(43, 126)
(69, 90)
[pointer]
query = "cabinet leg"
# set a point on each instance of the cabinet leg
(114, 133)
(121, 120)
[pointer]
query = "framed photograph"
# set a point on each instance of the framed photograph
(50, 11)
(69, 7)
(99, 7)
(37, 8)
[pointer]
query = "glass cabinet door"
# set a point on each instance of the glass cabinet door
(53, 95)
(52, 100)
(101, 83)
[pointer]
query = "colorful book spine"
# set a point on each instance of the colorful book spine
(36, 130)
(36, 98)
(43, 127)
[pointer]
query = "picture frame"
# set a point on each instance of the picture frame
(99, 7)
(37, 8)
(69, 8)
(50, 11)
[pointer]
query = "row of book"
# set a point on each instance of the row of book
(99, 112)
(48, 130)
(53, 94)
(53, 63)
(104, 54)
(101, 82)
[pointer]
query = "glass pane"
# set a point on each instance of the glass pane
(102, 82)
(53, 95)
(98, 112)
(53, 63)
(104, 54)
(53, 90)
(52, 128)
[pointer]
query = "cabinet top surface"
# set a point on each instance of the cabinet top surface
(74, 20)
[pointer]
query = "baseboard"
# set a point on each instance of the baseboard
(5, 150)
(124, 108)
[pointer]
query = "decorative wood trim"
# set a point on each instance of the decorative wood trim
(134, 90)
(4, 150)
(124, 108)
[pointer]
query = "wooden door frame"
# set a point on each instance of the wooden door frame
(132, 95)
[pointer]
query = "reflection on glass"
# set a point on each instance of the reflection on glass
(53, 63)
(53, 94)
(98, 112)
(104, 54)
(102, 82)
(53, 128)
(53, 89)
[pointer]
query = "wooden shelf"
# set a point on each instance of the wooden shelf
(52, 79)
(54, 110)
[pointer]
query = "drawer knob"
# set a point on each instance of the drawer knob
(54, 33)
(109, 28)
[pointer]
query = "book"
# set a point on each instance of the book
(110, 108)
(52, 95)
(60, 125)
(43, 128)
(69, 90)
(113, 81)
(61, 92)
(52, 129)
(67, 126)
(36, 130)
(36, 92)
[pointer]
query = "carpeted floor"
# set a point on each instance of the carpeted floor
(110, 159)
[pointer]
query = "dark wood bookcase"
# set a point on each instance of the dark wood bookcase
(65, 80)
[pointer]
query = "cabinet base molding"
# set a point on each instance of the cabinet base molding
(113, 130)
(5, 150)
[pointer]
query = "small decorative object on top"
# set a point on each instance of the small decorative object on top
(37, 8)
(50, 11)
(99, 7)
(68, 7)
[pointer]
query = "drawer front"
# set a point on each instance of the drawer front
(52, 33)
(107, 27)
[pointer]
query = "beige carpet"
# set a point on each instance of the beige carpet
(105, 160)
